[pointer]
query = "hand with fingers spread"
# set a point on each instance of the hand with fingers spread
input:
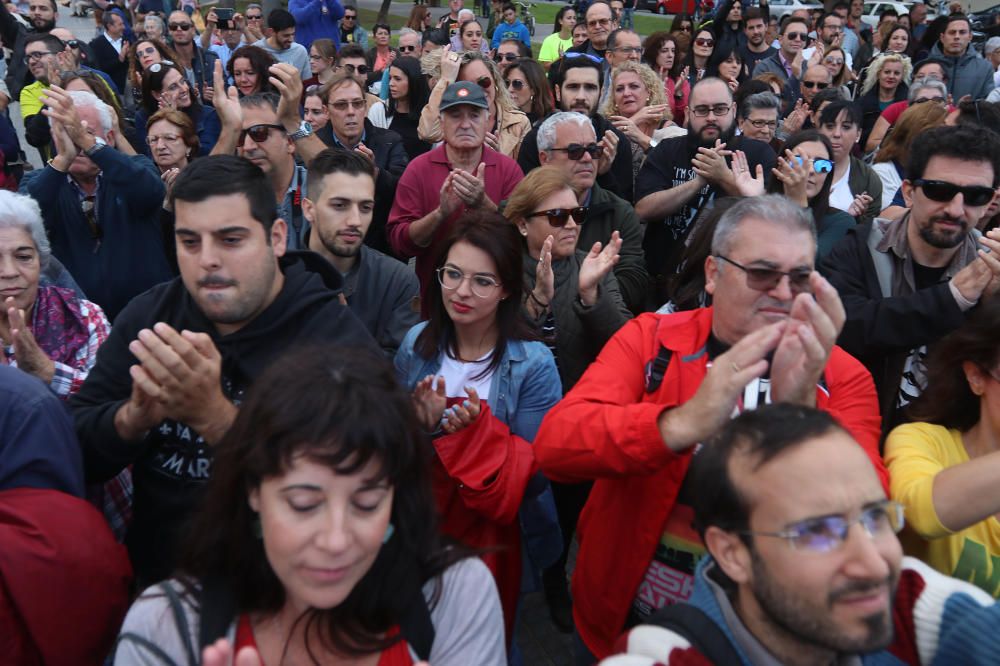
(813, 325)
(181, 372)
(461, 416)
(794, 121)
(30, 357)
(609, 148)
(220, 653)
(859, 205)
(793, 172)
(710, 164)
(596, 265)
(286, 80)
(429, 401)
(747, 184)
(713, 403)
(60, 108)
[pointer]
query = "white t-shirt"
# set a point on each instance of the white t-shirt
(460, 374)
(840, 193)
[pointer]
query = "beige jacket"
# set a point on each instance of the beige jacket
(512, 125)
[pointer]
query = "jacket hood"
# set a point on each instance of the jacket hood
(968, 55)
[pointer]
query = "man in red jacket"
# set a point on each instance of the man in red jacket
(664, 384)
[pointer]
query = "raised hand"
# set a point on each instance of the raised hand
(544, 278)
(747, 184)
(286, 80)
(429, 401)
(60, 108)
(793, 171)
(609, 148)
(859, 205)
(596, 265)
(470, 188)
(710, 164)
(227, 105)
(457, 417)
(794, 121)
(450, 201)
(450, 64)
(30, 357)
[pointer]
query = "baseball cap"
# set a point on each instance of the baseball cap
(992, 44)
(464, 92)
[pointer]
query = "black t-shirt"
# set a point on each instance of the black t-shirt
(669, 165)
(750, 59)
(927, 276)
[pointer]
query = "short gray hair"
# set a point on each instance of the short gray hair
(407, 31)
(18, 211)
(85, 99)
(546, 137)
(772, 208)
(760, 101)
(923, 83)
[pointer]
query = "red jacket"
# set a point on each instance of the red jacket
(606, 429)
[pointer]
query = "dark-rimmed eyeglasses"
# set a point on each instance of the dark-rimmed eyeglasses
(827, 533)
(37, 55)
(180, 26)
(483, 286)
(351, 69)
(942, 191)
(766, 279)
(259, 133)
(628, 50)
(761, 124)
(558, 217)
(575, 151)
(718, 110)
(593, 23)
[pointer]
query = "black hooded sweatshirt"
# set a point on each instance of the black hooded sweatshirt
(172, 463)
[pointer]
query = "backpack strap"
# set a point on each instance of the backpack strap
(656, 369)
(217, 609)
(416, 625)
(700, 630)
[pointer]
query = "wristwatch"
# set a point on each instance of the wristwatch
(98, 144)
(305, 129)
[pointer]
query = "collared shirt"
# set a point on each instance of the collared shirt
(337, 141)
(88, 208)
(117, 44)
(786, 64)
(290, 210)
(895, 239)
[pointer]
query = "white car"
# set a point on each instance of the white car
(781, 7)
(872, 10)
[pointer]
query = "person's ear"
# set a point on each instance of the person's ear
(279, 237)
(975, 376)
(711, 274)
(308, 209)
(543, 157)
(907, 189)
(558, 91)
(730, 553)
(253, 499)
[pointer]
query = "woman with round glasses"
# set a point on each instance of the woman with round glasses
(322, 56)
(317, 541)
(408, 93)
(573, 299)
(164, 86)
(529, 89)
(886, 82)
(507, 124)
(894, 153)
(481, 387)
(638, 107)
(248, 69)
(943, 466)
(561, 39)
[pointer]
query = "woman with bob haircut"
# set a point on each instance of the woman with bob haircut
(943, 466)
(481, 387)
(317, 540)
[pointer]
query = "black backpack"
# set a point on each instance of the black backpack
(700, 630)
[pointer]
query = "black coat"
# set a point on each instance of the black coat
(107, 60)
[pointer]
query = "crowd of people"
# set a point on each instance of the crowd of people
(325, 343)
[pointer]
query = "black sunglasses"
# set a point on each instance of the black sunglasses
(407, 49)
(558, 217)
(509, 57)
(259, 133)
(815, 84)
(766, 279)
(180, 26)
(575, 151)
(943, 191)
(73, 43)
(516, 84)
(360, 69)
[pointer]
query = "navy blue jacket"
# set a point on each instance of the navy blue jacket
(130, 258)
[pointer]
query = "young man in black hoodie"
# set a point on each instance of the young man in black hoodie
(169, 378)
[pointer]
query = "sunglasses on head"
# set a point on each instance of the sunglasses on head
(558, 217)
(704, 41)
(599, 61)
(943, 191)
(820, 85)
(351, 69)
(575, 151)
(766, 279)
(180, 26)
(259, 133)
(156, 67)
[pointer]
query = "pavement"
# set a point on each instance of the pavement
(541, 644)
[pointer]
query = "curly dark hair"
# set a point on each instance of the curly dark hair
(651, 51)
(260, 61)
(135, 69)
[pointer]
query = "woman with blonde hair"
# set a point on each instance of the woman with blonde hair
(507, 123)
(637, 106)
(894, 153)
(886, 81)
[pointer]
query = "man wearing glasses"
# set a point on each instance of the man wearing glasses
(42, 17)
(253, 31)
(623, 46)
(197, 63)
(351, 61)
(803, 562)
(830, 31)
(908, 282)
(599, 17)
(682, 174)
(665, 384)
(351, 31)
(787, 62)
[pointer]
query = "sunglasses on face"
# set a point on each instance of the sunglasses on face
(766, 279)
(73, 43)
(943, 192)
(180, 26)
(596, 22)
(704, 41)
(484, 82)
(342, 104)
(819, 85)
(797, 36)
(407, 49)
(259, 133)
(351, 69)
(149, 50)
(515, 84)
(255, 17)
(348, 17)
(834, 61)
(509, 57)
(558, 217)
(575, 151)
(820, 164)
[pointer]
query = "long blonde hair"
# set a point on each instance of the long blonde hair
(879, 63)
(653, 83)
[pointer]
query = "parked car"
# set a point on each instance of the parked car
(668, 6)
(781, 7)
(871, 11)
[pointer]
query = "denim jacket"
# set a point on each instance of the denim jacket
(525, 386)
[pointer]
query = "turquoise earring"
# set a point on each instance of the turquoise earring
(388, 533)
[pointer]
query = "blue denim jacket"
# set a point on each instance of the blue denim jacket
(525, 386)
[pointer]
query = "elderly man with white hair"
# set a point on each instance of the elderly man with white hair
(101, 208)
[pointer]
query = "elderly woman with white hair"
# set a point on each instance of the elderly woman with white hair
(47, 331)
